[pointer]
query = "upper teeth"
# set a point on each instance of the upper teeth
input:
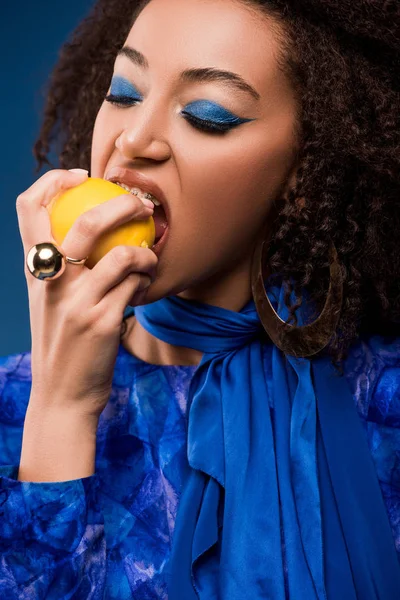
(138, 192)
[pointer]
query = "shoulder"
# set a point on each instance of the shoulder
(372, 369)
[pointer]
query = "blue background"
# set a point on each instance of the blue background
(31, 35)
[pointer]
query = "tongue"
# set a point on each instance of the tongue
(160, 221)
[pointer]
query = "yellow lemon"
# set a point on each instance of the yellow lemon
(68, 205)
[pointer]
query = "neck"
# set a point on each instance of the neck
(140, 343)
(231, 291)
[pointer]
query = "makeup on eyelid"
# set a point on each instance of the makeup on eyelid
(201, 109)
(173, 118)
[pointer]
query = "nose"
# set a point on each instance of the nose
(142, 137)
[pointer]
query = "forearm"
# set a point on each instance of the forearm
(56, 445)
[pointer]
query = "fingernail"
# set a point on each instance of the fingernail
(144, 283)
(147, 202)
(79, 171)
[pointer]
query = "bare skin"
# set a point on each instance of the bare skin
(220, 187)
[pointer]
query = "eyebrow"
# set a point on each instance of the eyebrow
(198, 75)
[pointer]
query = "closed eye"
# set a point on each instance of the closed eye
(200, 124)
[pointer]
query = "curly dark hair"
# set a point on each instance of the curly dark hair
(342, 57)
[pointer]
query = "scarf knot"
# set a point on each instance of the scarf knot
(268, 511)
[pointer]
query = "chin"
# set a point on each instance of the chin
(152, 294)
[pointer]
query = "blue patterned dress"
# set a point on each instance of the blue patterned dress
(109, 536)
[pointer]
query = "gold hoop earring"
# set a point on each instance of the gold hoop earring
(305, 340)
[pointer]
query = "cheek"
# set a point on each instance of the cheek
(233, 186)
(241, 179)
(103, 143)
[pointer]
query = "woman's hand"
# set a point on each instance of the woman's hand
(76, 319)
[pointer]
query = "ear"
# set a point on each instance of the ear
(290, 179)
(290, 184)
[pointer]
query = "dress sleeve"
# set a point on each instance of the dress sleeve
(373, 371)
(52, 543)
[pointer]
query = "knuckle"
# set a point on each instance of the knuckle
(101, 322)
(51, 175)
(105, 326)
(88, 223)
(75, 320)
(53, 178)
(22, 201)
(149, 257)
(123, 256)
(91, 324)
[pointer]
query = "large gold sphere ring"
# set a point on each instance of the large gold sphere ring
(47, 261)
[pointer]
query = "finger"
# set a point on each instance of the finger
(84, 233)
(33, 217)
(114, 267)
(130, 290)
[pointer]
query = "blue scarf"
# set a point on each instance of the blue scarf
(282, 498)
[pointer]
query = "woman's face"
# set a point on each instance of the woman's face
(219, 186)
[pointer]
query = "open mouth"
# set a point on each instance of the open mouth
(159, 214)
(160, 242)
(160, 221)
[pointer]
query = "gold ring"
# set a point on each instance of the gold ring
(47, 261)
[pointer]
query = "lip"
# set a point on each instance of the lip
(160, 244)
(136, 179)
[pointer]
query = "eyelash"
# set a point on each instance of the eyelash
(201, 124)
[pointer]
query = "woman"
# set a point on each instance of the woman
(224, 445)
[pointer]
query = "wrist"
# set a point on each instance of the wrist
(57, 445)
